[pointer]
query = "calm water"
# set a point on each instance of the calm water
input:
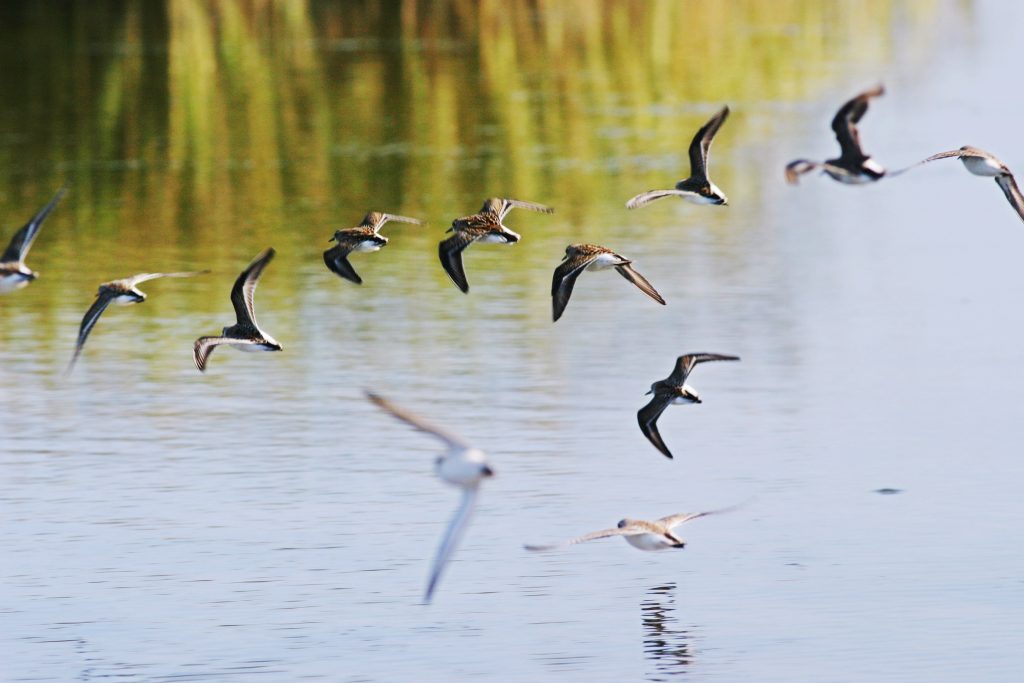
(263, 522)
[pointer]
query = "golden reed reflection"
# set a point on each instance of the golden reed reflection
(189, 125)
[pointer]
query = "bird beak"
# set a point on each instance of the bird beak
(331, 239)
(649, 392)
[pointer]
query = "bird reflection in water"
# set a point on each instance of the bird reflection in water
(665, 644)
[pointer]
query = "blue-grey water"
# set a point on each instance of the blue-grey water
(264, 522)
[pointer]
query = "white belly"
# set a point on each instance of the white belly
(648, 542)
(124, 300)
(250, 348)
(982, 166)
(463, 467)
(605, 261)
(367, 245)
(492, 239)
(9, 283)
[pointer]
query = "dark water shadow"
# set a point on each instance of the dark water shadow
(667, 647)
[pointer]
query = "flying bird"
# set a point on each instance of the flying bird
(580, 257)
(365, 237)
(245, 334)
(124, 292)
(672, 390)
(639, 533)
(462, 465)
(486, 227)
(14, 274)
(852, 166)
(980, 162)
(697, 188)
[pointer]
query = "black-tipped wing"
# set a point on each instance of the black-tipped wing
(450, 253)
(845, 123)
(103, 300)
(22, 240)
(1009, 187)
(565, 278)
(245, 286)
(702, 143)
(451, 540)
(686, 364)
(648, 416)
(337, 262)
(627, 271)
(593, 536)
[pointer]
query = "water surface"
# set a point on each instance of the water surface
(264, 522)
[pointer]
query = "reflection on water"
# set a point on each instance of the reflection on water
(666, 645)
(262, 521)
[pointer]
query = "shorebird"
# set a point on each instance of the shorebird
(245, 334)
(697, 188)
(580, 257)
(980, 162)
(365, 237)
(640, 533)
(122, 292)
(484, 227)
(462, 465)
(852, 166)
(14, 274)
(672, 389)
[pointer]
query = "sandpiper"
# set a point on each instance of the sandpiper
(672, 389)
(365, 237)
(14, 274)
(697, 188)
(124, 292)
(462, 465)
(245, 334)
(852, 166)
(484, 227)
(980, 162)
(580, 257)
(640, 533)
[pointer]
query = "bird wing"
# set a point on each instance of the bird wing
(685, 365)
(648, 416)
(376, 220)
(845, 123)
(672, 521)
(22, 240)
(143, 277)
(645, 198)
(1009, 187)
(450, 252)
(417, 422)
(336, 259)
(593, 536)
(627, 271)
(702, 143)
(245, 286)
(795, 169)
(103, 299)
(204, 346)
(451, 539)
(501, 206)
(564, 279)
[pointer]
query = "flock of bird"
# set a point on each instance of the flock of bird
(464, 465)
